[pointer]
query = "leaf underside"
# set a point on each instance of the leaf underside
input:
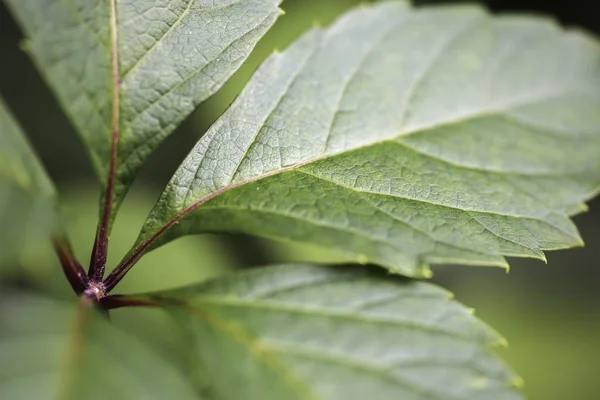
(308, 332)
(27, 196)
(403, 137)
(171, 56)
(52, 350)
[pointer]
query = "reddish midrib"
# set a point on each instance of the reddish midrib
(119, 272)
(100, 250)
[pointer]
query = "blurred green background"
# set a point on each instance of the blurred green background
(550, 314)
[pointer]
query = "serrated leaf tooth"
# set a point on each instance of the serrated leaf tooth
(517, 382)
(502, 342)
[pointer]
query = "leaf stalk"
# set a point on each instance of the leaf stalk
(71, 267)
(100, 249)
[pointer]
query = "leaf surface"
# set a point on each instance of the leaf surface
(309, 332)
(127, 72)
(27, 203)
(403, 137)
(54, 350)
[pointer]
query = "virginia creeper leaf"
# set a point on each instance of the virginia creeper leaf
(53, 350)
(27, 196)
(127, 72)
(310, 332)
(403, 137)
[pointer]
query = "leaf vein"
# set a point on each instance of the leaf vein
(446, 44)
(263, 354)
(291, 82)
(337, 314)
(327, 357)
(348, 82)
(77, 15)
(158, 41)
(188, 78)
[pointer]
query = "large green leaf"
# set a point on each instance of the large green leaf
(27, 203)
(309, 332)
(403, 137)
(127, 72)
(53, 350)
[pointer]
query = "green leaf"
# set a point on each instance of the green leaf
(53, 350)
(127, 72)
(27, 203)
(309, 332)
(403, 137)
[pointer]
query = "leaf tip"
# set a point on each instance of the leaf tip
(539, 254)
(501, 342)
(362, 259)
(425, 273)
(25, 45)
(517, 382)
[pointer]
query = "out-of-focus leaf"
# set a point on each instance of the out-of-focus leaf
(309, 332)
(54, 350)
(127, 72)
(27, 204)
(403, 137)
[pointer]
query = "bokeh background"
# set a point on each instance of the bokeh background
(550, 313)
